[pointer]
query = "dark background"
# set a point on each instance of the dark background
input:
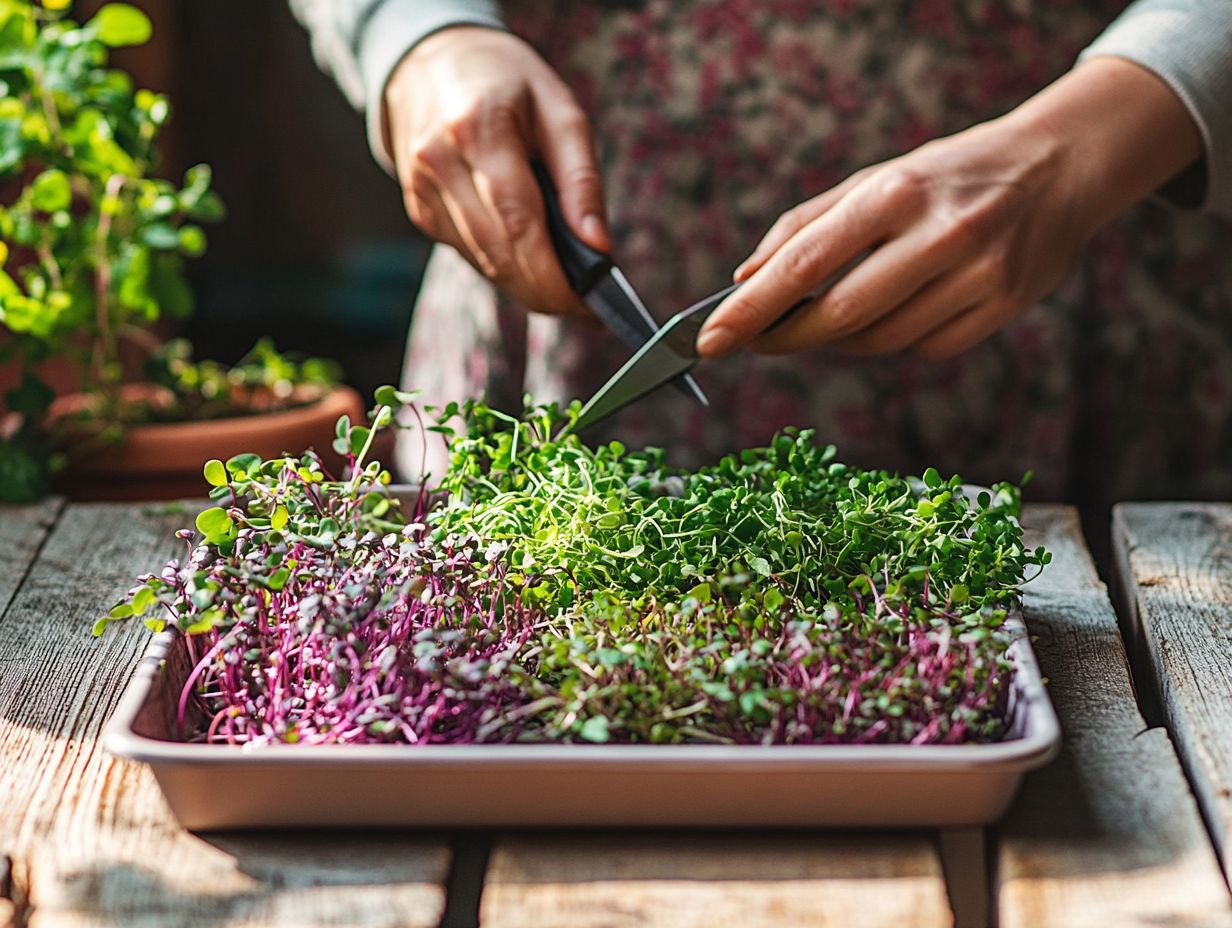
(316, 250)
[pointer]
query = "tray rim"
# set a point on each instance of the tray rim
(1037, 747)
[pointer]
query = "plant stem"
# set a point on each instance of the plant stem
(48, 260)
(105, 343)
(381, 417)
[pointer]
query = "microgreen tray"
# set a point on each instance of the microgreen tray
(576, 784)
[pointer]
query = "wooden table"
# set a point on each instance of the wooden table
(1111, 834)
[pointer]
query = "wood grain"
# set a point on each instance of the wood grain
(1175, 570)
(1110, 833)
(90, 839)
(611, 880)
(22, 530)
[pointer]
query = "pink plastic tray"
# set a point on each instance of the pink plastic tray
(216, 787)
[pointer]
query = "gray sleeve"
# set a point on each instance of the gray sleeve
(1188, 44)
(360, 42)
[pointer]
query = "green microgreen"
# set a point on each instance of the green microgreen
(558, 592)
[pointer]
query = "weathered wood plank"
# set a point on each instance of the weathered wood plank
(1174, 564)
(91, 840)
(611, 880)
(22, 530)
(1109, 834)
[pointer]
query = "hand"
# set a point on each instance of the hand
(966, 232)
(467, 110)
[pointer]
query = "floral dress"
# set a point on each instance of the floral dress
(713, 116)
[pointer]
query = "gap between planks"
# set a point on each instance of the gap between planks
(1174, 572)
(1109, 834)
(22, 532)
(92, 842)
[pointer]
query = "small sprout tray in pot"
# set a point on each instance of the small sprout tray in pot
(587, 636)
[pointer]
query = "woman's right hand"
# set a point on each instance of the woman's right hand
(467, 109)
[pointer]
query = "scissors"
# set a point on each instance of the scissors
(672, 352)
(602, 286)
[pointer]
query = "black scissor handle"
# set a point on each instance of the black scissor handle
(583, 266)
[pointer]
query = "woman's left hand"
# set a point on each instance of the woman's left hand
(964, 233)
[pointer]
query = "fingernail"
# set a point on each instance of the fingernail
(715, 341)
(593, 229)
(738, 273)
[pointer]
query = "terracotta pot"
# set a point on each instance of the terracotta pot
(164, 460)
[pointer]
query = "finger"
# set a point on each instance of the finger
(789, 224)
(933, 306)
(491, 251)
(507, 188)
(449, 174)
(870, 291)
(426, 209)
(563, 137)
(792, 273)
(965, 331)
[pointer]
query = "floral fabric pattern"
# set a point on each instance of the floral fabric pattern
(713, 116)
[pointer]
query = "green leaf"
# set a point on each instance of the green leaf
(51, 191)
(701, 593)
(161, 235)
(243, 463)
(215, 473)
(118, 24)
(393, 397)
(278, 521)
(215, 524)
(594, 729)
(121, 611)
(197, 180)
(209, 208)
(278, 579)
(168, 287)
(773, 600)
(142, 600)
(192, 241)
(209, 619)
(932, 479)
(359, 437)
(759, 565)
(100, 626)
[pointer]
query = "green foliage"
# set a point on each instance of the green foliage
(94, 241)
(557, 592)
(264, 379)
(787, 516)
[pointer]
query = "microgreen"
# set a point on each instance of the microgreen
(555, 592)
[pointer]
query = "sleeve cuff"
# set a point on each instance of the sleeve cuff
(393, 29)
(1188, 45)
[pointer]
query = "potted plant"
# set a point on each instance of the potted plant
(545, 591)
(92, 251)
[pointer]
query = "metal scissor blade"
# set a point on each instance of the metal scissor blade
(616, 303)
(654, 364)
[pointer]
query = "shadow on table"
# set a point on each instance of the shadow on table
(292, 878)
